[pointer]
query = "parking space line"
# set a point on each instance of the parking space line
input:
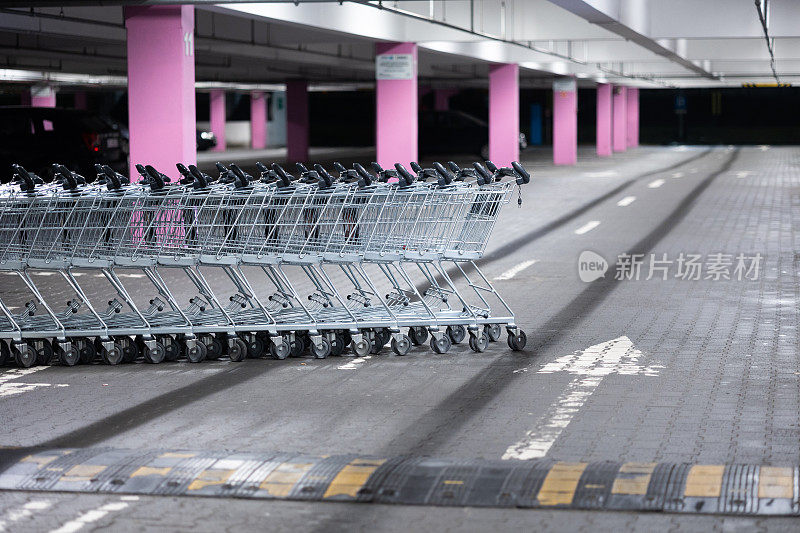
(586, 228)
(90, 517)
(625, 202)
(655, 184)
(513, 271)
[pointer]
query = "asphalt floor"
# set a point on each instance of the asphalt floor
(708, 373)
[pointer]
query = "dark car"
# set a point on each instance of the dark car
(455, 132)
(36, 137)
(205, 140)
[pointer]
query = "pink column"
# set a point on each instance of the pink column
(633, 117)
(442, 99)
(504, 113)
(396, 103)
(258, 120)
(297, 121)
(43, 96)
(161, 107)
(604, 119)
(565, 122)
(80, 100)
(217, 117)
(620, 119)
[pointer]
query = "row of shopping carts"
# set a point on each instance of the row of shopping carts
(319, 262)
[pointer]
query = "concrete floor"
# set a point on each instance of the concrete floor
(715, 376)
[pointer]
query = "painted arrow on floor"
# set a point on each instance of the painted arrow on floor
(617, 356)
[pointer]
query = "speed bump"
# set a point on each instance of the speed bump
(668, 487)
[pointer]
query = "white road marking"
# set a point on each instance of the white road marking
(743, 173)
(12, 388)
(678, 174)
(617, 356)
(90, 516)
(513, 271)
(625, 202)
(131, 275)
(655, 184)
(26, 511)
(354, 364)
(586, 228)
(601, 174)
(681, 148)
(764, 147)
(43, 273)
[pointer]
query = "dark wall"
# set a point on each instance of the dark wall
(341, 118)
(721, 116)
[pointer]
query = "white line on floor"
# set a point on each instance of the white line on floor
(589, 226)
(354, 364)
(600, 174)
(12, 388)
(90, 516)
(625, 202)
(131, 275)
(764, 147)
(513, 271)
(678, 174)
(743, 173)
(26, 511)
(655, 184)
(681, 148)
(617, 356)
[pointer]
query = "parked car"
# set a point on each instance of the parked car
(455, 132)
(36, 137)
(205, 140)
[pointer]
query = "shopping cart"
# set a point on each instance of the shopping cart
(313, 262)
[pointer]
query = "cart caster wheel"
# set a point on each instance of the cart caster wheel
(198, 353)
(338, 345)
(296, 347)
(114, 356)
(281, 350)
(361, 348)
(322, 349)
(5, 353)
(493, 331)
(44, 354)
(255, 346)
(456, 333)
(347, 340)
(172, 350)
(212, 345)
(418, 335)
(443, 345)
(517, 342)
(156, 355)
(237, 350)
(24, 355)
(87, 350)
(69, 354)
(479, 343)
(129, 349)
(382, 336)
(402, 346)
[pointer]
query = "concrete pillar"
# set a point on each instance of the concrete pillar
(565, 122)
(297, 121)
(80, 100)
(161, 100)
(620, 143)
(43, 96)
(604, 119)
(217, 117)
(504, 113)
(258, 120)
(442, 99)
(633, 117)
(396, 103)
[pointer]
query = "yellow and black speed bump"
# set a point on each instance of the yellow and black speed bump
(682, 488)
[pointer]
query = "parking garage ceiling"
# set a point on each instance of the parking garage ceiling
(645, 43)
